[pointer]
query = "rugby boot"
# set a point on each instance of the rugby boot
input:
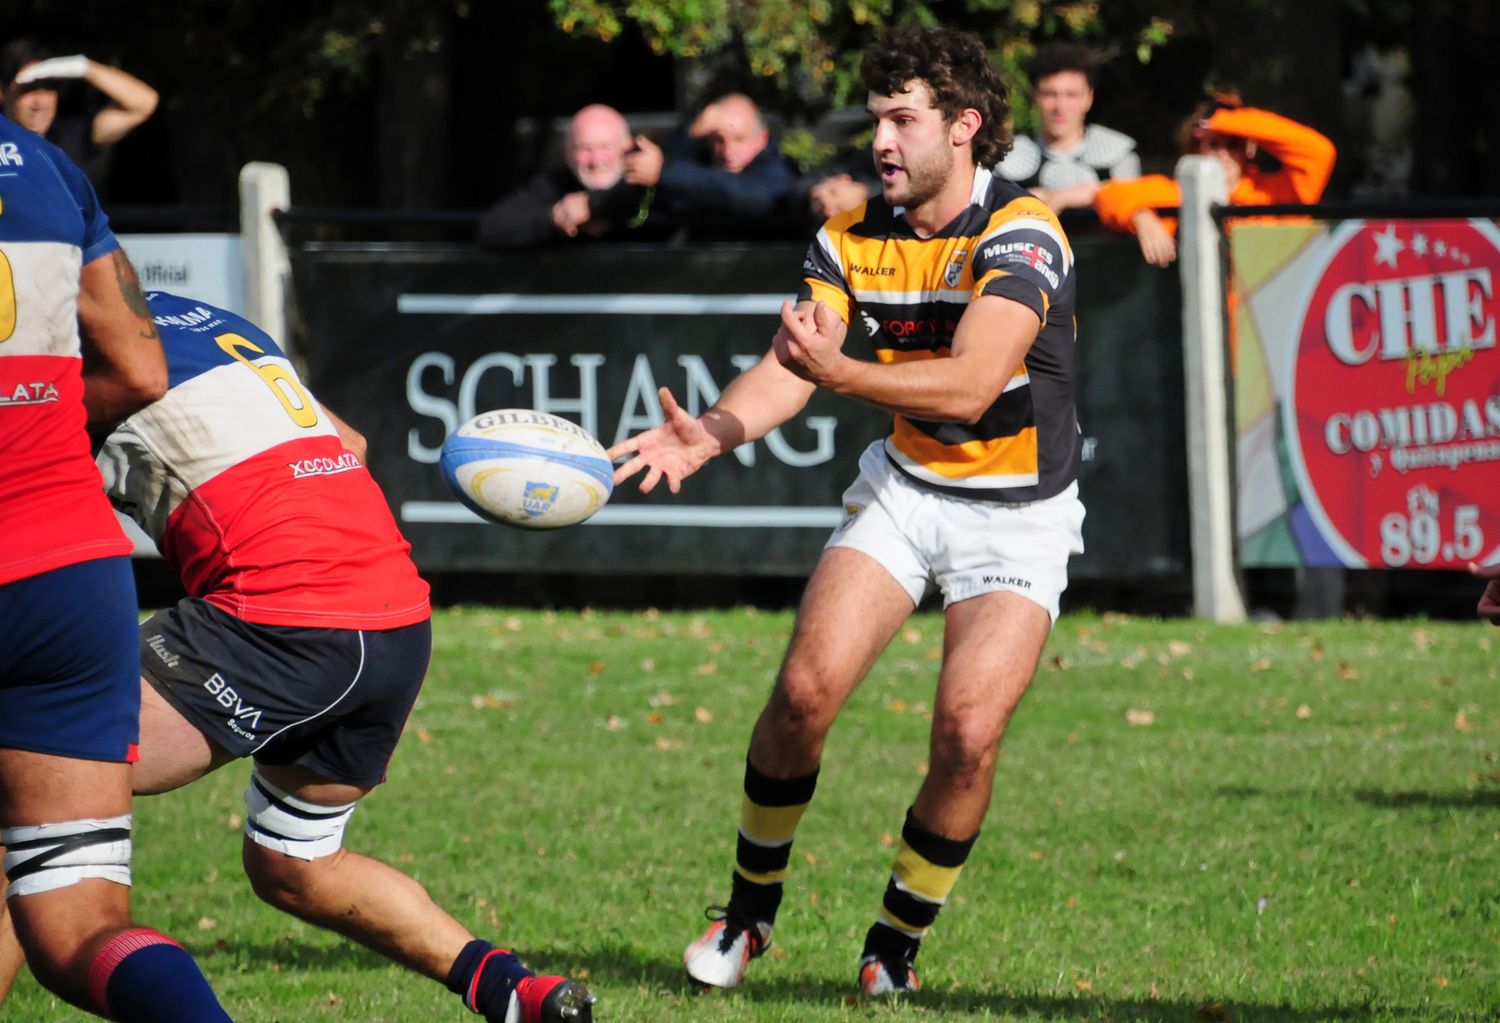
(551, 1000)
(887, 975)
(719, 957)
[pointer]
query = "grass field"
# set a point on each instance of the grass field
(1281, 822)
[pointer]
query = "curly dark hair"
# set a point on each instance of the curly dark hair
(1057, 57)
(958, 72)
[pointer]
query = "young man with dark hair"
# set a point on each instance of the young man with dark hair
(963, 285)
(1064, 163)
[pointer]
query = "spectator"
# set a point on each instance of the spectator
(722, 171)
(31, 80)
(1222, 127)
(1064, 163)
(585, 195)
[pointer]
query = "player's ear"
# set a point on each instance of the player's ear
(965, 126)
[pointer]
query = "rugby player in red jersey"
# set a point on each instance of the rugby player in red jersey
(78, 353)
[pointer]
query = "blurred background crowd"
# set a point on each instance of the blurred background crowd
(722, 119)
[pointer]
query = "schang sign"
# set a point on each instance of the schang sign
(407, 352)
(408, 343)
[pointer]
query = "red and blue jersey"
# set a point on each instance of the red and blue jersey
(240, 478)
(51, 507)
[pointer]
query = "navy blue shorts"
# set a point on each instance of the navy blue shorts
(70, 680)
(332, 700)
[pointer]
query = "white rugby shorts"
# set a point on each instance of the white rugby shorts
(963, 547)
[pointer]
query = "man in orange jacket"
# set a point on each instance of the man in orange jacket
(1233, 133)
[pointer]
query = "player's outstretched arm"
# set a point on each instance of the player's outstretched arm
(124, 369)
(676, 449)
(1489, 602)
(755, 403)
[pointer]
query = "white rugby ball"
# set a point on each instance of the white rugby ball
(528, 469)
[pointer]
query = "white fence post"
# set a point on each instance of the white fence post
(264, 189)
(1216, 591)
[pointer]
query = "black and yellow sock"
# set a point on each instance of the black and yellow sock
(768, 821)
(927, 866)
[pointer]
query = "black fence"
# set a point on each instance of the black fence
(409, 340)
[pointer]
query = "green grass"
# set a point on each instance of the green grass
(1191, 822)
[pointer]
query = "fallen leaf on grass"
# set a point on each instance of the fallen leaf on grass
(1177, 648)
(423, 735)
(664, 699)
(615, 723)
(1140, 717)
(1261, 664)
(1347, 671)
(809, 857)
(207, 923)
(1442, 981)
(911, 634)
(1084, 985)
(663, 743)
(1461, 723)
(1303, 711)
(656, 717)
(596, 667)
(888, 840)
(703, 715)
(711, 668)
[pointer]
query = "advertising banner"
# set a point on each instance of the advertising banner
(1367, 393)
(409, 342)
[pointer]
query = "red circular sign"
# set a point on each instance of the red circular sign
(1394, 415)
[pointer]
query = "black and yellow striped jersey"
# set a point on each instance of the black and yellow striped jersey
(908, 292)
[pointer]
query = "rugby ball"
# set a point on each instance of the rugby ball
(527, 469)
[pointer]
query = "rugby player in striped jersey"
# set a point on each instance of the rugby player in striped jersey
(961, 284)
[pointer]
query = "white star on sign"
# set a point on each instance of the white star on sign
(1440, 248)
(1419, 243)
(1388, 246)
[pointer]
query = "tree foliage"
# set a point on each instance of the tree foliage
(806, 52)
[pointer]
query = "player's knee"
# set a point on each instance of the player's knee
(289, 841)
(45, 857)
(802, 700)
(285, 882)
(964, 745)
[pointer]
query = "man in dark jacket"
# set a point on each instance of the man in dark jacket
(584, 196)
(723, 175)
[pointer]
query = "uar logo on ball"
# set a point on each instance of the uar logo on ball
(528, 469)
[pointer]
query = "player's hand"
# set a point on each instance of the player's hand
(1489, 602)
(75, 66)
(643, 163)
(811, 344)
(570, 213)
(1157, 243)
(676, 449)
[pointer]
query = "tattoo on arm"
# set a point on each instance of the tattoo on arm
(130, 290)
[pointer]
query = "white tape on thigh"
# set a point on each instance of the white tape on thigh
(41, 857)
(279, 820)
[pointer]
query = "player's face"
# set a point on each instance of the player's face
(913, 151)
(31, 107)
(1063, 101)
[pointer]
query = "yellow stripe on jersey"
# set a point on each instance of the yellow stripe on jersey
(995, 275)
(1004, 456)
(836, 299)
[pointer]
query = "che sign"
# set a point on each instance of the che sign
(1394, 413)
